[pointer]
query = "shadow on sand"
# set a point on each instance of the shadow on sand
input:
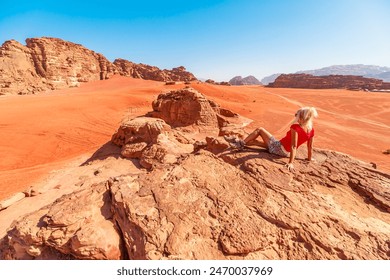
(107, 150)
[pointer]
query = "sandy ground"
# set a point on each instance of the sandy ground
(46, 132)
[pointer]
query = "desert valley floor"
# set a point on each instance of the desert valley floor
(45, 132)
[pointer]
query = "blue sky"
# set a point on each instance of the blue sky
(213, 39)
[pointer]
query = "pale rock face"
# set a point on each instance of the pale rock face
(66, 64)
(47, 64)
(17, 71)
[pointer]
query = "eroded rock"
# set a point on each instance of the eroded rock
(207, 207)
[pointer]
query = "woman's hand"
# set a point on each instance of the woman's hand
(290, 167)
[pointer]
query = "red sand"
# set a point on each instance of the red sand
(43, 132)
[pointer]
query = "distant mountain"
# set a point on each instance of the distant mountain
(385, 76)
(351, 82)
(368, 71)
(270, 79)
(239, 81)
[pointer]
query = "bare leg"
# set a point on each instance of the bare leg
(265, 135)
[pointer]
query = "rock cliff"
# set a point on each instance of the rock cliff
(199, 199)
(326, 82)
(51, 63)
(47, 64)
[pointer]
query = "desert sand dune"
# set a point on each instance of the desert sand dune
(43, 132)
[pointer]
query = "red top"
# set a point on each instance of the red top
(303, 137)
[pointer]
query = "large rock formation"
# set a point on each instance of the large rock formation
(211, 203)
(327, 82)
(17, 70)
(51, 63)
(47, 64)
(147, 72)
(249, 80)
(160, 138)
(183, 108)
(152, 141)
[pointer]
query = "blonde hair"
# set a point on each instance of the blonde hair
(305, 116)
(307, 113)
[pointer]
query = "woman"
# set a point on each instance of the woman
(301, 131)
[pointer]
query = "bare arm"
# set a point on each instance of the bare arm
(294, 143)
(309, 148)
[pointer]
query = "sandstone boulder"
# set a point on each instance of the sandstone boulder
(68, 230)
(151, 140)
(185, 107)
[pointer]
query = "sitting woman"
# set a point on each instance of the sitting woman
(301, 131)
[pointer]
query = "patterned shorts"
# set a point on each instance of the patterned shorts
(276, 148)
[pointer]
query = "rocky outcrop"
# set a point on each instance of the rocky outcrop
(211, 202)
(65, 230)
(184, 108)
(159, 138)
(223, 83)
(152, 141)
(51, 63)
(67, 64)
(226, 206)
(17, 70)
(47, 64)
(147, 72)
(327, 82)
(240, 81)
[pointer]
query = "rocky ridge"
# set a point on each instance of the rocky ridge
(328, 82)
(195, 198)
(367, 71)
(239, 81)
(147, 72)
(51, 63)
